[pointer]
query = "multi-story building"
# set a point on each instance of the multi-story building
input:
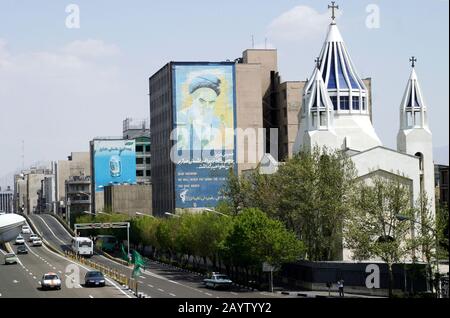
(441, 183)
(139, 130)
(6, 200)
(78, 196)
(263, 103)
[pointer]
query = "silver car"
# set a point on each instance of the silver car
(10, 258)
(50, 281)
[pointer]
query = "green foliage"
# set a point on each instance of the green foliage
(309, 194)
(255, 238)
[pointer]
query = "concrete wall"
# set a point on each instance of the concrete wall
(128, 199)
(249, 114)
(80, 164)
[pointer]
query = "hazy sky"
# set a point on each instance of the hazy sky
(60, 87)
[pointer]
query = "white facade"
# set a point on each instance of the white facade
(336, 115)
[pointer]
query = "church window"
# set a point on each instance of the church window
(420, 156)
(323, 119)
(345, 103)
(314, 119)
(334, 101)
(355, 102)
(332, 78)
(342, 81)
(364, 103)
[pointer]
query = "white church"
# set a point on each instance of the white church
(336, 114)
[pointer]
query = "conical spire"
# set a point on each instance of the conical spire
(346, 89)
(318, 107)
(413, 110)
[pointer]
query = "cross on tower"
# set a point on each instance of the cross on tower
(317, 60)
(413, 61)
(333, 7)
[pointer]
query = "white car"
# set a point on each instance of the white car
(26, 229)
(20, 240)
(32, 237)
(50, 281)
(37, 242)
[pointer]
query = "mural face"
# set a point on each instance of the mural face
(114, 162)
(204, 117)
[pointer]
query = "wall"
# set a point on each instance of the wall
(128, 199)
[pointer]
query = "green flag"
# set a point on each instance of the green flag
(138, 262)
(124, 253)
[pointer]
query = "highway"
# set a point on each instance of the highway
(158, 281)
(22, 280)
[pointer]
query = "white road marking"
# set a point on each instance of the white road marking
(172, 295)
(51, 230)
(208, 294)
(161, 290)
(142, 277)
(34, 277)
(150, 285)
(140, 282)
(0, 294)
(90, 296)
(15, 281)
(60, 272)
(67, 260)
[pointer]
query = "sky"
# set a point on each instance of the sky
(62, 86)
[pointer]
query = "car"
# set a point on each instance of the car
(37, 242)
(20, 240)
(10, 258)
(32, 237)
(217, 280)
(50, 281)
(94, 278)
(22, 249)
(26, 229)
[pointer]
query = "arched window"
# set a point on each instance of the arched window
(420, 156)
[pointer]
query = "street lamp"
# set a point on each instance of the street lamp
(402, 218)
(143, 214)
(171, 214)
(214, 211)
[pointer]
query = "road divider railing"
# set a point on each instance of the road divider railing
(112, 273)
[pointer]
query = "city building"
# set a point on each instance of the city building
(128, 199)
(28, 188)
(441, 184)
(78, 196)
(112, 162)
(77, 165)
(139, 130)
(6, 200)
(336, 114)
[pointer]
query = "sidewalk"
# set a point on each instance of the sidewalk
(323, 294)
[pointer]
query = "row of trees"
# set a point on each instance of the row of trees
(241, 243)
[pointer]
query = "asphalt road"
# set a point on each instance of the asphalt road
(158, 281)
(22, 280)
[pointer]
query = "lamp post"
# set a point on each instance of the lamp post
(171, 214)
(214, 211)
(402, 218)
(143, 214)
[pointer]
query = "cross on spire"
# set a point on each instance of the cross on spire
(317, 60)
(413, 61)
(333, 7)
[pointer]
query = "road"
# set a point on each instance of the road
(23, 279)
(158, 281)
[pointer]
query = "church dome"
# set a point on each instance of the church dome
(345, 88)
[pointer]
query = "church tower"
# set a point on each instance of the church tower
(351, 123)
(317, 115)
(414, 137)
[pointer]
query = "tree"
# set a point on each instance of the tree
(255, 239)
(373, 229)
(309, 194)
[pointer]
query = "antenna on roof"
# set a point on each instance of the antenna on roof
(253, 41)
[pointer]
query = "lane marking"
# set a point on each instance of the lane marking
(233, 293)
(51, 230)
(161, 290)
(70, 261)
(34, 277)
(172, 295)
(90, 296)
(208, 294)
(142, 277)
(150, 285)
(15, 281)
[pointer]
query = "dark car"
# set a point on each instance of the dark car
(22, 249)
(94, 278)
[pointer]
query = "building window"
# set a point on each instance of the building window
(334, 101)
(147, 160)
(345, 104)
(147, 148)
(323, 119)
(139, 161)
(364, 103)
(420, 156)
(139, 148)
(284, 94)
(139, 173)
(148, 173)
(355, 103)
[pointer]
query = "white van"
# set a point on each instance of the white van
(26, 229)
(83, 246)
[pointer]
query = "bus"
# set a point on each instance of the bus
(107, 243)
(83, 246)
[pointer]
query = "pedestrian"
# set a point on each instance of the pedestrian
(340, 284)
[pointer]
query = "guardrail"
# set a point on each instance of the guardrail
(108, 271)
